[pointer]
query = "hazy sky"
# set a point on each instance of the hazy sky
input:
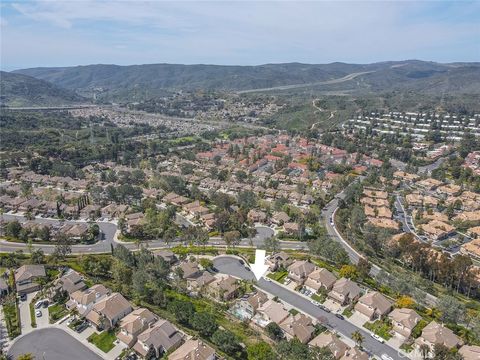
(79, 32)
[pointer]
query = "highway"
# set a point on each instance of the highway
(231, 265)
(317, 83)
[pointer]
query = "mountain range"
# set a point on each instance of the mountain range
(136, 82)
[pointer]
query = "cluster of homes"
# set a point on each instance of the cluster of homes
(377, 208)
(472, 161)
(139, 328)
(417, 125)
(341, 293)
(423, 202)
(274, 166)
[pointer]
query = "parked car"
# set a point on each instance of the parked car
(80, 327)
(324, 308)
(38, 313)
(378, 338)
(386, 357)
(340, 316)
(39, 304)
(23, 297)
(316, 303)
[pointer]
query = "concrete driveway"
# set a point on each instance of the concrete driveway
(51, 344)
(24, 309)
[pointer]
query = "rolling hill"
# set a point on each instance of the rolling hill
(136, 82)
(18, 90)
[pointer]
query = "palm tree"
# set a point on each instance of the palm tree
(358, 338)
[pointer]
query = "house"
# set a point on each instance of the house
(373, 305)
(195, 284)
(26, 278)
(256, 216)
(435, 334)
(83, 301)
(134, 324)
(166, 255)
(345, 291)
(299, 271)
(437, 230)
(270, 311)
(189, 269)
(470, 352)
(291, 228)
(298, 326)
(331, 341)
(403, 321)
(193, 350)
(280, 218)
(320, 278)
(106, 313)
(279, 260)
(246, 307)
(224, 289)
(70, 282)
(158, 339)
(354, 354)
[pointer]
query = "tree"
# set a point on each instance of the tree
(37, 256)
(405, 301)
(274, 331)
(206, 263)
(452, 310)
(260, 351)
(349, 272)
(13, 229)
(232, 238)
(357, 337)
(183, 311)
(226, 341)
(271, 244)
(63, 246)
(204, 323)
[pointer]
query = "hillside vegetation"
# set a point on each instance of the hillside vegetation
(18, 90)
(138, 82)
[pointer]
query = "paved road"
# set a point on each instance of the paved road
(296, 86)
(230, 265)
(109, 229)
(51, 344)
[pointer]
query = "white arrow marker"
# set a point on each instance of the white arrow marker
(259, 268)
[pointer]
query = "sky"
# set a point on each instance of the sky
(82, 32)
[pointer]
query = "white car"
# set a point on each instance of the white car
(38, 313)
(38, 304)
(378, 338)
(316, 303)
(386, 357)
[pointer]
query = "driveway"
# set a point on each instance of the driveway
(51, 344)
(24, 308)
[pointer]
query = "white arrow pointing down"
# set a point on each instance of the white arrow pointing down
(259, 268)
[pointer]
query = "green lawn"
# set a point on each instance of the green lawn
(380, 327)
(319, 297)
(347, 312)
(278, 276)
(104, 341)
(56, 312)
